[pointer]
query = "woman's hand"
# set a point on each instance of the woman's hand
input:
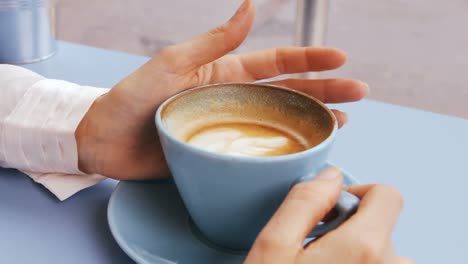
(365, 238)
(117, 137)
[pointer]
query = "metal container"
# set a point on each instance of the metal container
(27, 30)
(311, 22)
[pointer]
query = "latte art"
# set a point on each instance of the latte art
(245, 139)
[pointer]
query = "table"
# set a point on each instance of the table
(35, 227)
(422, 154)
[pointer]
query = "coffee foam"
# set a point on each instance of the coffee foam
(245, 139)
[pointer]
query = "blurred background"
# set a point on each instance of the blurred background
(412, 53)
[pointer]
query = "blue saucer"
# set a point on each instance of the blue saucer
(150, 223)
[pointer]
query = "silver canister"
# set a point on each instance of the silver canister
(311, 22)
(27, 30)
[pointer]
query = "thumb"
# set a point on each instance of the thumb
(211, 45)
(306, 204)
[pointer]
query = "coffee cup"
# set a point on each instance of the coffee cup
(236, 149)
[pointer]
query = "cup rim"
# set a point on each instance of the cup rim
(162, 129)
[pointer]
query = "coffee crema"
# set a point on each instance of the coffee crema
(245, 139)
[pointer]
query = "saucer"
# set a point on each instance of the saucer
(150, 223)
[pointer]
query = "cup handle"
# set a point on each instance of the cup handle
(345, 207)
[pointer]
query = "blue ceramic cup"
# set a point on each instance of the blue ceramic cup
(230, 198)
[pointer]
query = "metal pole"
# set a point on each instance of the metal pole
(311, 26)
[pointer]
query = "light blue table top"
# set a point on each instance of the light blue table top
(422, 154)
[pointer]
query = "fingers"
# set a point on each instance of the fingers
(360, 190)
(211, 45)
(273, 62)
(341, 117)
(328, 90)
(304, 207)
(376, 216)
(366, 236)
(167, 70)
(404, 260)
(307, 204)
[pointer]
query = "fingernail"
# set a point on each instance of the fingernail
(240, 11)
(366, 86)
(245, 4)
(329, 174)
(344, 117)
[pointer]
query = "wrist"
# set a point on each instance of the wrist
(86, 145)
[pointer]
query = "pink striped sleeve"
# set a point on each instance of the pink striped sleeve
(38, 133)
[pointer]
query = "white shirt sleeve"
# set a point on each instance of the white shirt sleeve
(38, 119)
